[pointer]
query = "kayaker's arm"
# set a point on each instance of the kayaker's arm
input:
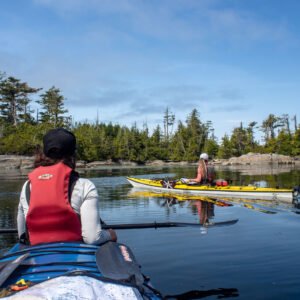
(92, 233)
(22, 211)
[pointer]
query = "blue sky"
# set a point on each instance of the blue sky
(233, 60)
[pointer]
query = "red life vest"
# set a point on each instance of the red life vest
(50, 217)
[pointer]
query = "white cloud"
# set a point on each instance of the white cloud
(176, 20)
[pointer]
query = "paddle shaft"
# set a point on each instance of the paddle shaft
(145, 225)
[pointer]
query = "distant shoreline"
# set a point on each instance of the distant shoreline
(24, 164)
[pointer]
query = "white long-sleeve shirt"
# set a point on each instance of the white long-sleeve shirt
(84, 201)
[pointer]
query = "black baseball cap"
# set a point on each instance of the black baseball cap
(59, 143)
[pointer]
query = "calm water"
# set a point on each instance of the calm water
(258, 257)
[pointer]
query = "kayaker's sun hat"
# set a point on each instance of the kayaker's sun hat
(59, 143)
(204, 156)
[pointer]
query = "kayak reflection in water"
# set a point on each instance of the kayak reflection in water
(55, 204)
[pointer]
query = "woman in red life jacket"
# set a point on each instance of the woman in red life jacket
(55, 204)
(205, 173)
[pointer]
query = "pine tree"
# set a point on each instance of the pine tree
(225, 149)
(179, 143)
(283, 142)
(52, 104)
(269, 125)
(239, 140)
(14, 100)
(156, 146)
(196, 134)
(169, 120)
(251, 144)
(296, 143)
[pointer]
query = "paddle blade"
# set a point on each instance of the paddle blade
(116, 261)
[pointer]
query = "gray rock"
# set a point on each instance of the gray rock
(260, 159)
(15, 162)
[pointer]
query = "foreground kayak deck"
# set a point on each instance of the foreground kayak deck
(247, 192)
(74, 268)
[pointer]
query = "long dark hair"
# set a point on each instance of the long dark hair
(41, 159)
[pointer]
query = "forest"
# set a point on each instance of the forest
(22, 129)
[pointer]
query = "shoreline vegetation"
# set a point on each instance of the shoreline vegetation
(24, 164)
(170, 142)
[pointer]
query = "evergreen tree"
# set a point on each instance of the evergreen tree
(52, 104)
(296, 143)
(14, 100)
(294, 118)
(285, 121)
(251, 144)
(136, 145)
(156, 149)
(144, 136)
(211, 147)
(103, 136)
(269, 125)
(239, 140)
(169, 120)
(225, 149)
(121, 144)
(179, 143)
(196, 136)
(86, 148)
(283, 142)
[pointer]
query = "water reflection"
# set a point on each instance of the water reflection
(205, 211)
(201, 206)
(204, 206)
(264, 206)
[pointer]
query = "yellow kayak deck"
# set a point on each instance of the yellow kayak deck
(176, 186)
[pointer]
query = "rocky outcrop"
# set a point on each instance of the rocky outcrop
(14, 162)
(251, 159)
(105, 163)
(164, 163)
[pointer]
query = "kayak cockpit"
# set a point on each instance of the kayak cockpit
(76, 268)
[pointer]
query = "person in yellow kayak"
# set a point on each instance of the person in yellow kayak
(205, 173)
(55, 204)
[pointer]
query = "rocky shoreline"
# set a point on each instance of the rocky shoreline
(23, 163)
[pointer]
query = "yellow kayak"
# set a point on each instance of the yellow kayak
(230, 191)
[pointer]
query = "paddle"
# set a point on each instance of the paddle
(10, 267)
(196, 294)
(147, 225)
(116, 261)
